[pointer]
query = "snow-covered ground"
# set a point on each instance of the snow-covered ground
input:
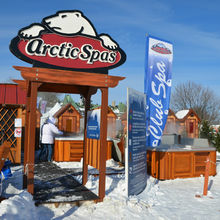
(170, 199)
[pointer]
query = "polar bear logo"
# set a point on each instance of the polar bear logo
(67, 23)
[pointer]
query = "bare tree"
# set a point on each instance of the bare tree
(51, 98)
(201, 99)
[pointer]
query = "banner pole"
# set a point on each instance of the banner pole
(205, 189)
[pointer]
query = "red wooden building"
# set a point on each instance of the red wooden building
(185, 123)
(12, 101)
(70, 148)
(111, 119)
(12, 106)
(68, 119)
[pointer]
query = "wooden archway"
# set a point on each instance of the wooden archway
(63, 81)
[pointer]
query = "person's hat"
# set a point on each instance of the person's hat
(51, 120)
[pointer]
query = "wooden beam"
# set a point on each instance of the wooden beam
(85, 149)
(68, 77)
(103, 143)
(88, 90)
(59, 88)
(21, 83)
(32, 133)
(26, 140)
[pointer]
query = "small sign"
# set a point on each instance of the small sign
(18, 132)
(18, 122)
(136, 159)
(93, 124)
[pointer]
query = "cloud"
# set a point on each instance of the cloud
(127, 22)
(155, 17)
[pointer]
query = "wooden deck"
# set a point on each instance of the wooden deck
(53, 185)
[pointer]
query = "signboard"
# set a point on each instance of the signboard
(157, 87)
(67, 40)
(93, 124)
(18, 122)
(136, 160)
(17, 132)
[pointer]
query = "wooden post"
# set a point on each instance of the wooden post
(103, 143)
(31, 142)
(26, 140)
(85, 150)
(206, 181)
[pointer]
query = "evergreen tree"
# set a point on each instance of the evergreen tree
(206, 131)
(217, 140)
(122, 107)
(68, 99)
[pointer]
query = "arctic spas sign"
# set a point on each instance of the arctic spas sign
(159, 58)
(67, 40)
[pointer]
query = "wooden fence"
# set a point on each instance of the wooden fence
(8, 113)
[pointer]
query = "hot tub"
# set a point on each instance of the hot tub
(179, 161)
(70, 148)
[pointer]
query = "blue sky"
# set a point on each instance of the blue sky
(192, 26)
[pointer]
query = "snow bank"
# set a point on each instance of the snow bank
(18, 207)
(169, 200)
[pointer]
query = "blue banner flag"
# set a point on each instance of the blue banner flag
(93, 124)
(158, 80)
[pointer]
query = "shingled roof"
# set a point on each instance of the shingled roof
(63, 109)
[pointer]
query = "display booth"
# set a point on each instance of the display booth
(179, 157)
(72, 59)
(86, 85)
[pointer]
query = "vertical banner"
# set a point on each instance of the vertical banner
(93, 124)
(38, 101)
(158, 80)
(135, 159)
(43, 106)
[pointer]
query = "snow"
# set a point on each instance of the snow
(170, 199)
(116, 111)
(95, 115)
(181, 114)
